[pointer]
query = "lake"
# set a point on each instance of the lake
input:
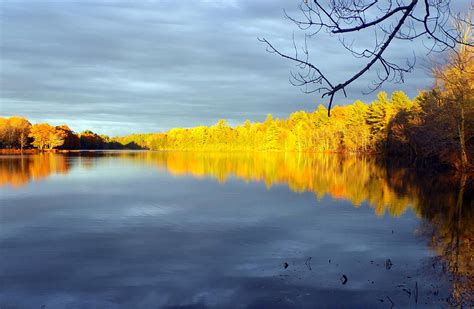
(249, 230)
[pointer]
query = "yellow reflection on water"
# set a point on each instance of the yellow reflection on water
(353, 178)
(17, 171)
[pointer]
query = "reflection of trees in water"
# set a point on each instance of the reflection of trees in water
(18, 171)
(353, 178)
(445, 201)
(451, 235)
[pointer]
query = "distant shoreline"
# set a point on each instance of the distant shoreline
(34, 151)
(37, 151)
(18, 151)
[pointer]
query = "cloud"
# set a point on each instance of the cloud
(151, 66)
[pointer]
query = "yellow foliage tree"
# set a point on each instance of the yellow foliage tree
(46, 136)
(14, 132)
(456, 80)
(22, 128)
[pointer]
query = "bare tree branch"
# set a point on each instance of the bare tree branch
(429, 20)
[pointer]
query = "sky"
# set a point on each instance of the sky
(121, 67)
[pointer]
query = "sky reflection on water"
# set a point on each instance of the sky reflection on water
(147, 229)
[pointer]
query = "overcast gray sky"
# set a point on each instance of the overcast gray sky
(145, 66)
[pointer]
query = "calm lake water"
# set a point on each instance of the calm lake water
(153, 230)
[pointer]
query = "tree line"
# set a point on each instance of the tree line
(427, 127)
(18, 133)
(436, 126)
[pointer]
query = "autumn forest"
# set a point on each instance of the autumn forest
(436, 127)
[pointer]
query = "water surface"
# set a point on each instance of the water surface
(165, 229)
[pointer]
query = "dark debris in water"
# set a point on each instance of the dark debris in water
(391, 302)
(344, 279)
(408, 291)
(308, 263)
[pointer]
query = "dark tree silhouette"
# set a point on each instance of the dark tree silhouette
(432, 21)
